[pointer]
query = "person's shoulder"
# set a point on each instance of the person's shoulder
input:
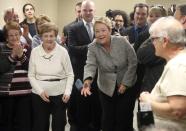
(37, 48)
(130, 28)
(36, 37)
(23, 22)
(77, 24)
(93, 43)
(61, 48)
(118, 39)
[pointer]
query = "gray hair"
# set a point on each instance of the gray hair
(170, 28)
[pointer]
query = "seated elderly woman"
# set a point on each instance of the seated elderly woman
(51, 77)
(15, 89)
(168, 97)
(116, 62)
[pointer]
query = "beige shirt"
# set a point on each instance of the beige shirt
(53, 65)
(172, 82)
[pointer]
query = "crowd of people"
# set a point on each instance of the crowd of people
(115, 61)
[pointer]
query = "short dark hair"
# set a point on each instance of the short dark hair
(182, 9)
(24, 6)
(141, 5)
(124, 16)
(79, 4)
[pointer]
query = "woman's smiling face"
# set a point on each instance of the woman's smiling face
(102, 33)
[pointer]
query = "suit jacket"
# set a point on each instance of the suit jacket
(153, 65)
(78, 40)
(66, 30)
(137, 40)
(115, 67)
(67, 27)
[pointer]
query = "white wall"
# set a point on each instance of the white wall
(165, 3)
(49, 7)
(66, 10)
(62, 11)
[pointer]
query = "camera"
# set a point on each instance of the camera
(109, 14)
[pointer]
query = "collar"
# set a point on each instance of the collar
(43, 53)
(85, 23)
(142, 28)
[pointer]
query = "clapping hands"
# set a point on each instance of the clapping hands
(17, 50)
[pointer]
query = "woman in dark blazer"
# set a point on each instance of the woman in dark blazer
(116, 62)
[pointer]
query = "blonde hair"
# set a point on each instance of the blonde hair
(104, 20)
(159, 10)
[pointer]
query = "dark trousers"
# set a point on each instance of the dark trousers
(42, 110)
(84, 112)
(117, 111)
(15, 113)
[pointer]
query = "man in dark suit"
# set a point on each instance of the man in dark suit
(140, 27)
(66, 28)
(80, 35)
(137, 34)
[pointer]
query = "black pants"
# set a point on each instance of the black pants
(42, 111)
(117, 111)
(84, 112)
(15, 113)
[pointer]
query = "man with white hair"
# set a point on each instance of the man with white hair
(168, 97)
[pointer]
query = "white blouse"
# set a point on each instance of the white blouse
(53, 65)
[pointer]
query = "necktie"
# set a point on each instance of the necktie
(89, 31)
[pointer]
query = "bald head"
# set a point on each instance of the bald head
(88, 10)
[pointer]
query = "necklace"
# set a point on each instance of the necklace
(47, 57)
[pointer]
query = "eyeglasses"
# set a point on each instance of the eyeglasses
(154, 38)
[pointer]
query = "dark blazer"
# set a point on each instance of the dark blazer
(136, 41)
(153, 65)
(66, 30)
(78, 40)
(142, 36)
